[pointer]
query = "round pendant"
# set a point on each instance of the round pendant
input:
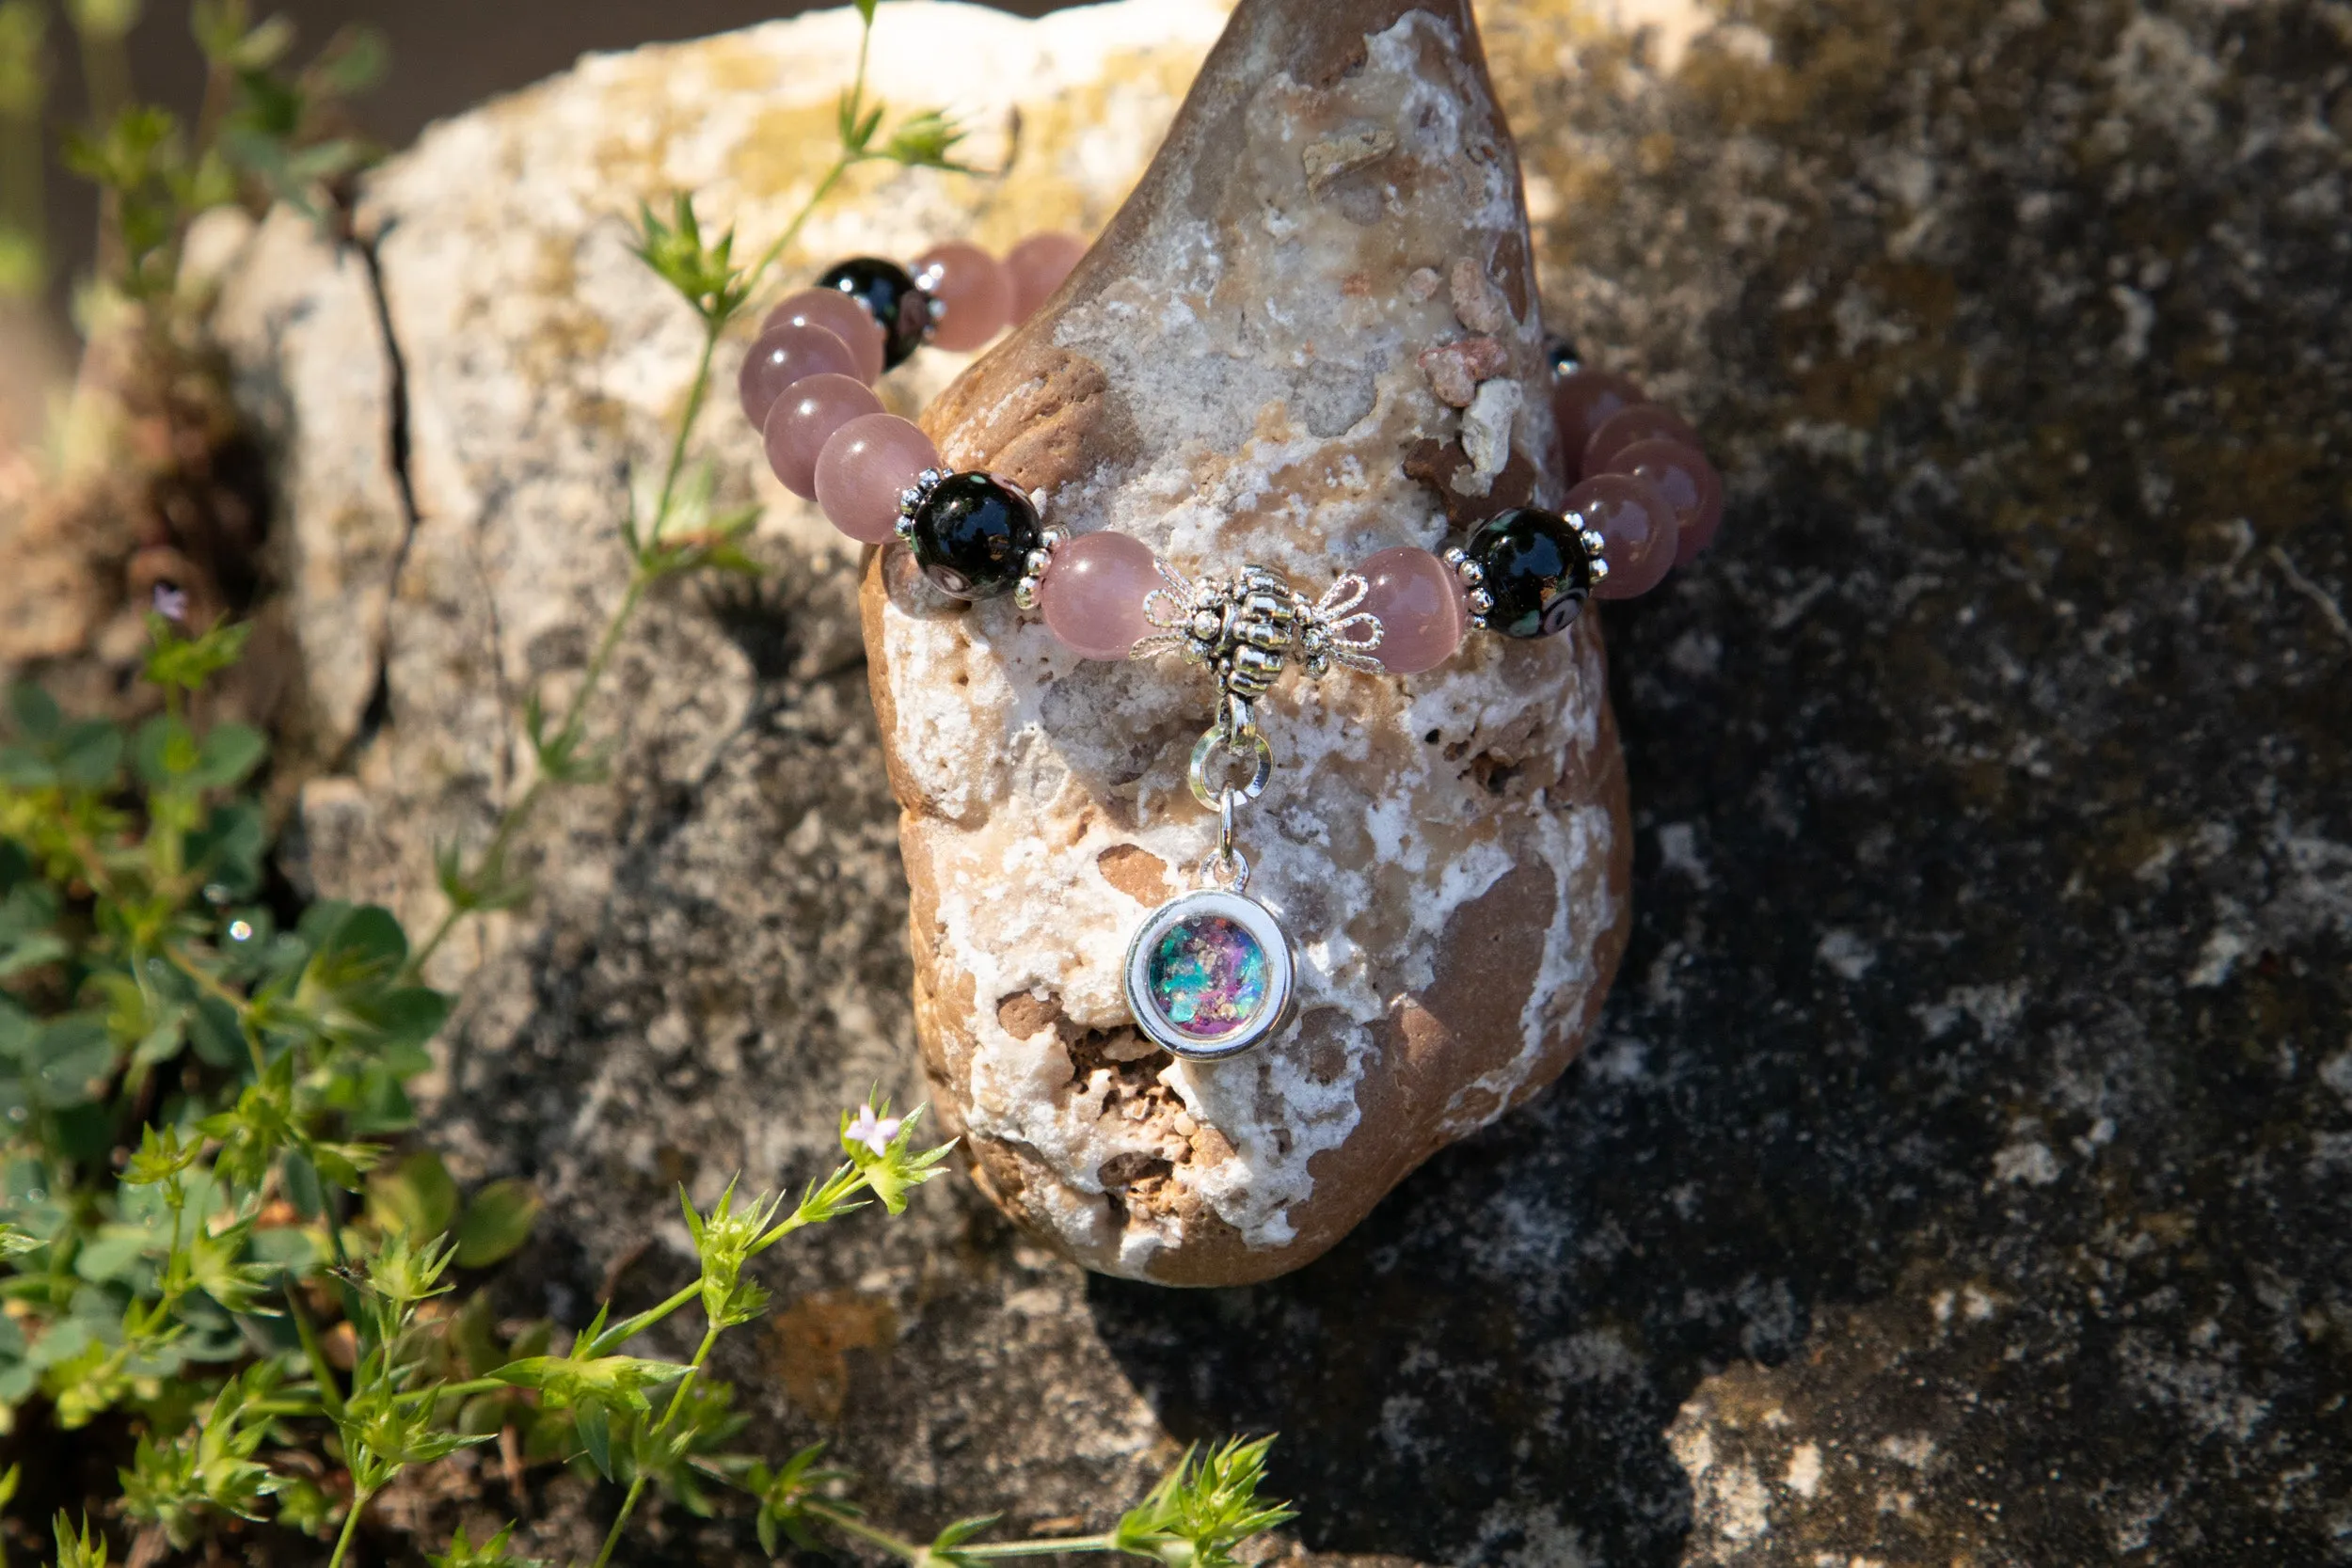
(1209, 974)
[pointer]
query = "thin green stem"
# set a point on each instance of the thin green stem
(693, 1370)
(677, 1400)
(351, 1528)
(330, 1396)
(768, 258)
(626, 1329)
(512, 820)
(697, 391)
(849, 1523)
(515, 818)
(620, 1520)
(1041, 1547)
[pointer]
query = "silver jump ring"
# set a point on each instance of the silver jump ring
(1228, 868)
(1250, 743)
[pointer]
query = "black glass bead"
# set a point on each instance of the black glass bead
(1536, 570)
(890, 296)
(972, 535)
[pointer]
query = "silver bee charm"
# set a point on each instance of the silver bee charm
(1247, 624)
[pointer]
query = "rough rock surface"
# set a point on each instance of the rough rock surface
(1961, 1173)
(1234, 375)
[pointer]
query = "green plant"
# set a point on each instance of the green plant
(209, 1183)
(673, 524)
(266, 132)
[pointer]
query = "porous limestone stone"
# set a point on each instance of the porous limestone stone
(1236, 374)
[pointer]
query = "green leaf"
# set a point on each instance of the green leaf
(166, 752)
(32, 952)
(35, 712)
(563, 1376)
(162, 1155)
(228, 754)
(303, 1188)
(896, 1168)
(20, 1032)
(113, 1252)
(594, 1429)
(214, 1031)
(76, 1055)
(1203, 1507)
(188, 662)
(353, 60)
(924, 141)
(416, 1197)
(407, 1269)
(90, 754)
(356, 947)
(80, 1549)
(492, 1553)
(406, 1015)
(342, 1164)
(496, 1222)
(943, 1545)
(227, 849)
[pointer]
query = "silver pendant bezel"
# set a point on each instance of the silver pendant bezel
(1282, 974)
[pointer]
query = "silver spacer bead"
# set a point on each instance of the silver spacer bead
(1478, 622)
(1472, 573)
(1591, 540)
(1054, 538)
(1480, 601)
(904, 527)
(1025, 593)
(911, 499)
(1455, 557)
(1600, 569)
(1036, 562)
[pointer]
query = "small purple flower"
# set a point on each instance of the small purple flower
(874, 1132)
(171, 602)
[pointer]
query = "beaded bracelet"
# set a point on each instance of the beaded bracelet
(1210, 973)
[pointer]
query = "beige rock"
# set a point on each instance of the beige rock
(1232, 375)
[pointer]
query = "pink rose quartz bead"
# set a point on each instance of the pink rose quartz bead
(805, 419)
(838, 314)
(1643, 421)
(863, 469)
(782, 356)
(1037, 265)
(975, 288)
(1418, 602)
(1689, 484)
(1578, 404)
(1637, 524)
(1092, 596)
